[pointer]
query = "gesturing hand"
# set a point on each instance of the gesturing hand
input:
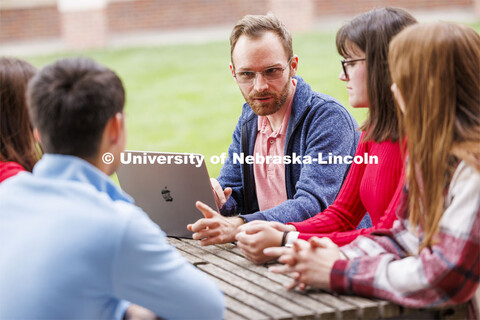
(214, 228)
(221, 196)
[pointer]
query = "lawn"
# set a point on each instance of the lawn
(182, 98)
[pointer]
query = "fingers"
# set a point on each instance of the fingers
(206, 210)
(227, 193)
(242, 237)
(292, 285)
(321, 243)
(276, 251)
(257, 258)
(203, 224)
(288, 259)
(280, 226)
(213, 240)
(301, 244)
(218, 192)
(252, 228)
(284, 269)
(206, 233)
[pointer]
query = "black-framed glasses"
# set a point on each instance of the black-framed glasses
(269, 74)
(345, 64)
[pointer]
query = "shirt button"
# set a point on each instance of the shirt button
(272, 141)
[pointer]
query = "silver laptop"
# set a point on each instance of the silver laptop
(166, 186)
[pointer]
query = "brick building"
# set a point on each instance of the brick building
(90, 23)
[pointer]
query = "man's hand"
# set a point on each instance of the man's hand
(255, 236)
(214, 228)
(221, 196)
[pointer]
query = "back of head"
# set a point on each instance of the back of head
(16, 137)
(371, 32)
(436, 68)
(70, 102)
(255, 26)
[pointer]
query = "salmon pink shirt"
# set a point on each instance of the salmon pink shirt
(270, 178)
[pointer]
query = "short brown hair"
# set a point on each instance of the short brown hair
(372, 32)
(16, 136)
(70, 102)
(256, 25)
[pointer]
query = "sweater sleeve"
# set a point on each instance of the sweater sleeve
(231, 175)
(318, 184)
(386, 221)
(347, 210)
(390, 267)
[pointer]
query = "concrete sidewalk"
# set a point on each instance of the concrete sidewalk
(210, 34)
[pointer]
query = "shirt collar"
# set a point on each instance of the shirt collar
(65, 167)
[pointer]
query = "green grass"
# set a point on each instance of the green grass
(182, 98)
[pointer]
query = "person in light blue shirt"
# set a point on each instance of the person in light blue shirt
(72, 244)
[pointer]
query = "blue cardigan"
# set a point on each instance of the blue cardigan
(318, 124)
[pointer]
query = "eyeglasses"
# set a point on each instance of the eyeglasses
(268, 74)
(345, 64)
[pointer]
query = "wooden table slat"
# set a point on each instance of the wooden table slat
(244, 262)
(251, 292)
(273, 286)
(345, 310)
(260, 292)
(232, 315)
(367, 309)
(250, 300)
(237, 307)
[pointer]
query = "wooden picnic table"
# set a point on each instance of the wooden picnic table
(252, 292)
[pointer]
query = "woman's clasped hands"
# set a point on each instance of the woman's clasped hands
(308, 262)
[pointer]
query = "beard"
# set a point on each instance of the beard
(267, 108)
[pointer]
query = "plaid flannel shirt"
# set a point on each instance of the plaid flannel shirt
(387, 264)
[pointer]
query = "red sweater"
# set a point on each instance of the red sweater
(372, 188)
(9, 169)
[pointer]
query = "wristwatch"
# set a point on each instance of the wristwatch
(289, 237)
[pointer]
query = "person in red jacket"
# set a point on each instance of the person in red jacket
(18, 148)
(369, 187)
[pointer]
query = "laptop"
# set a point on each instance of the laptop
(166, 186)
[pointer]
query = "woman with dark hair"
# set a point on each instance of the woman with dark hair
(431, 255)
(372, 188)
(18, 149)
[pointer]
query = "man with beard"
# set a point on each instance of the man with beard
(283, 118)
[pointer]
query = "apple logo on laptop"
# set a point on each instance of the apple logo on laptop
(166, 195)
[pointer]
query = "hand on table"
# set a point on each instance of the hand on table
(255, 236)
(310, 263)
(136, 312)
(214, 228)
(221, 196)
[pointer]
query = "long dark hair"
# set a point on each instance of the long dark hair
(372, 32)
(16, 136)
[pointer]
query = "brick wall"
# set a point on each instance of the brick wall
(325, 7)
(172, 14)
(30, 21)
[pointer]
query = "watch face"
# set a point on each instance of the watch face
(292, 236)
